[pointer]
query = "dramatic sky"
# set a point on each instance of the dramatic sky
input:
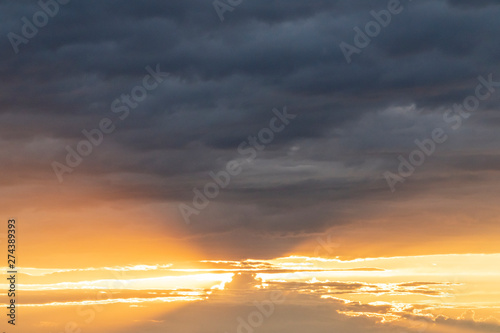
(367, 164)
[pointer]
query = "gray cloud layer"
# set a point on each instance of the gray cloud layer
(353, 120)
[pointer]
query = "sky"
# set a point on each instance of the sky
(171, 164)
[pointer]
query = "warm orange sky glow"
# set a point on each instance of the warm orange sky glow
(392, 289)
(249, 166)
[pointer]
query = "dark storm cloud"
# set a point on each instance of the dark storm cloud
(353, 120)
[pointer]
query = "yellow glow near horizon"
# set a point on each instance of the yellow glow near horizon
(425, 286)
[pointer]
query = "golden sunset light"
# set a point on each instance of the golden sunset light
(250, 166)
(402, 291)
